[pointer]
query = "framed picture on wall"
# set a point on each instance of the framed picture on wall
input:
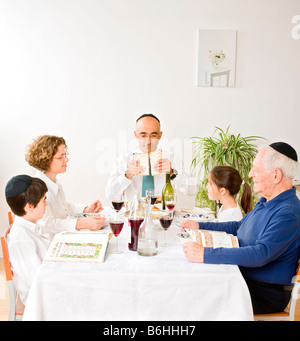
(216, 58)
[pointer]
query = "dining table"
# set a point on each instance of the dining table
(130, 287)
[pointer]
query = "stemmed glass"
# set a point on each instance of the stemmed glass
(151, 196)
(118, 202)
(116, 225)
(165, 222)
(170, 200)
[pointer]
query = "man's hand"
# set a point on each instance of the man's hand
(193, 252)
(133, 168)
(162, 166)
(189, 224)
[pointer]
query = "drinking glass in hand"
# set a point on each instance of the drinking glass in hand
(116, 225)
(165, 222)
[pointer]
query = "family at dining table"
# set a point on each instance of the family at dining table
(268, 234)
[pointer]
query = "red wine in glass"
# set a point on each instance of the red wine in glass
(117, 204)
(153, 199)
(135, 225)
(165, 222)
(116, 227)
(170, 207)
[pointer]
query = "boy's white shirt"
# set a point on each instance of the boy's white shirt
(59, 212)
(27, 248)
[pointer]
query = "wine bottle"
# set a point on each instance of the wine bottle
(168, 189)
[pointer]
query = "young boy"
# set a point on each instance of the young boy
(26, 196)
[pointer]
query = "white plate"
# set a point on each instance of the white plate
(199, 217)
(183, 237)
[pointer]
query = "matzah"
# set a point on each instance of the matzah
(143, 159)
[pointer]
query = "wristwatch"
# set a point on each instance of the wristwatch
(174, 174)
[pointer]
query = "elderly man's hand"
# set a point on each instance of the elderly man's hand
(189, 224)
(193, 252)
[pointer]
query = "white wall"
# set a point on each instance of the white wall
(86, 69)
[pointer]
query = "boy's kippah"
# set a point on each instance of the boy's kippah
(285, 149)
(17, 185)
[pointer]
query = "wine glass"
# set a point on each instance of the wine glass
(170, 200)
(116, 225)
(165, 222)
(118, 202)
(151, 196)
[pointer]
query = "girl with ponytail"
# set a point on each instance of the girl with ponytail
(224, 184)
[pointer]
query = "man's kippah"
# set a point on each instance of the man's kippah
(148, 115)
(285, 149)
(17, 185)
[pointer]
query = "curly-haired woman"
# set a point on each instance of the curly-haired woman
(48, 154)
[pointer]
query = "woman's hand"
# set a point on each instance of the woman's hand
(95, 207)
(189, 224)
(92, 223)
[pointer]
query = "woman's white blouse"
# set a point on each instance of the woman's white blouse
(59, 212)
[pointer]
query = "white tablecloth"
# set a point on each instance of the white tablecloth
(127, 286)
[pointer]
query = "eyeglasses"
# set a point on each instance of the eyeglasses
(152, 136)
(63, 157)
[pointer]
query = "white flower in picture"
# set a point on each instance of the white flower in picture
(216, 57)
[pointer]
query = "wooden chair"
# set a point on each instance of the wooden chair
(16, 306)
(288, 315)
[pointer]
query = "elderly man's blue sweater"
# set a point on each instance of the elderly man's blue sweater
(269, 238)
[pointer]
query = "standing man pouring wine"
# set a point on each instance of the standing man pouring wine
(125, 176)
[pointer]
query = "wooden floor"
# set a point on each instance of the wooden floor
(4, 299)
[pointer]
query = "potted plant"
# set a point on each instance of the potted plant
(226, 149)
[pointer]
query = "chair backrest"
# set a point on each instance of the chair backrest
(10, 218)
(298, 273)
(16, 305)
(290, 315)
(7, 266)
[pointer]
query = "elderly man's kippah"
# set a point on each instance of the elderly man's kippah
(148, 115)
(17, 185)
(285, 149)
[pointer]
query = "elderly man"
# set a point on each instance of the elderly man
(269, 236)
(126, 177)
